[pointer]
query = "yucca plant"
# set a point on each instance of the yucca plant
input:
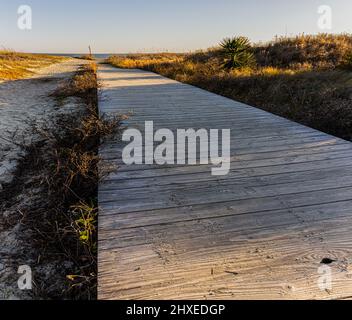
(237, 53)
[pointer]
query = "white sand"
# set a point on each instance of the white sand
(21, 102)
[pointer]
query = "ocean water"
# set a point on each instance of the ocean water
(75, 55)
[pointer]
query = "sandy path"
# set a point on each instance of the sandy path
(22, 102)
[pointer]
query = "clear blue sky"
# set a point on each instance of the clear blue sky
(116, 26)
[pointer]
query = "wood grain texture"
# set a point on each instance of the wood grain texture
(260, 232)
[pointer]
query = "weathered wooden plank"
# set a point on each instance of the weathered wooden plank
(116, 147)
(275, 263)
(266, 144)
(270, 179)
(333, 157)
(135, 201)
(168, 179)
(114, 221)
(176, 232)
(244, 156)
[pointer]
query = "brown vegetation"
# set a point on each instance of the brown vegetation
(321, 51)
(305, 78)
(15, 65)
(63, 165)
(69, 223)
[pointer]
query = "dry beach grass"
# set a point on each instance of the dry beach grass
(306, 78)
(16, 65)
(50, 205)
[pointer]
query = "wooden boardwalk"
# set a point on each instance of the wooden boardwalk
(261, 232)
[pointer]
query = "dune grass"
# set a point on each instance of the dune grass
(16, 65)
(306, 78)
(65, 168)
(71, 228)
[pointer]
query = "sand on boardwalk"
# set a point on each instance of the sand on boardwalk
(23, 102)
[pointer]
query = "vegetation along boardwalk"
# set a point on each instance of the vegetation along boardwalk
(278, 226)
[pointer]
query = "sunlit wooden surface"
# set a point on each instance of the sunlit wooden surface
(261, 232)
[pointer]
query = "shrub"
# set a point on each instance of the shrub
(321, 51)
(237, 53)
